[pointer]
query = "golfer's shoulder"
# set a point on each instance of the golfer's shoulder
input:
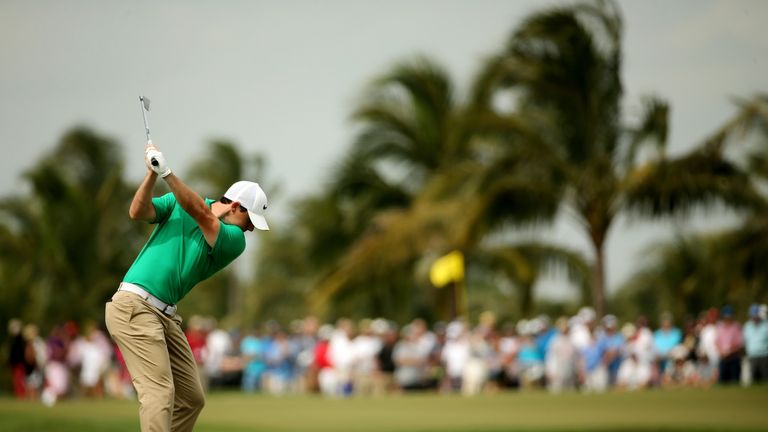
(165, 205)
(231, 240)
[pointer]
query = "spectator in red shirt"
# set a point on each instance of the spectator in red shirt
(323, 367)
(196, 336)
(730, 344)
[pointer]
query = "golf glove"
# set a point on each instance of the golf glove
(156, 162)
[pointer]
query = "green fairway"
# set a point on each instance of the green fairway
(722, 409)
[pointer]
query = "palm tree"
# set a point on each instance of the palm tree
(524, 263)
(68, 242)
(408, 123)
(411, 119)
(562, 68)
(678, 276)
(465, 208)
(403, 192)
(700, 270)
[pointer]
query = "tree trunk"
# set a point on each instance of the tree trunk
(526, 299)
(598, 279)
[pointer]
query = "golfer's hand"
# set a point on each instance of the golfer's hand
(156, 161)
(147, 147)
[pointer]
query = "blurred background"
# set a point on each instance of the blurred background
(435, 161)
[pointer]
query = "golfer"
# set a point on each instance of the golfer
(192, 240)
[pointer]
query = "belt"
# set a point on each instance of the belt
(165, 308)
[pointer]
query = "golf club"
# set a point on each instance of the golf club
(144, 101)
(144, 112)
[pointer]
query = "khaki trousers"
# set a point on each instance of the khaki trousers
(160, 362)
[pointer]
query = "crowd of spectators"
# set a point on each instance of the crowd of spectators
(375, 356)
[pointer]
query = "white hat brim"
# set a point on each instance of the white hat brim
(258, 221)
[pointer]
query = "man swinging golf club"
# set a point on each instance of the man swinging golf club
(193, 239)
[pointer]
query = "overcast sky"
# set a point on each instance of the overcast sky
(281, 77)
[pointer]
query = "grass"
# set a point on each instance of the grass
(718, 409)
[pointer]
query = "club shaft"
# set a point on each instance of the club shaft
(144, 116)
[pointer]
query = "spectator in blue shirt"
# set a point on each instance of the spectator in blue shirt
(544, 334)
(253, 349)
(664, 339)
(613, 343)
(594, 373)
(756, 342)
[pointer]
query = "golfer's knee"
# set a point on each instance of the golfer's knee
(198, 401)
(191, 400)
(153, 394)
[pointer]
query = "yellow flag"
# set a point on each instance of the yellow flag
(446, 269)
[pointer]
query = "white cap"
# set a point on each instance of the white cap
(587, 314)
(250, 196)
(454, 330)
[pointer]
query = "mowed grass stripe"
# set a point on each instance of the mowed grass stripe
(726, 409)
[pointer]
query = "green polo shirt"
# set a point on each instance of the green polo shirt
(176, 257)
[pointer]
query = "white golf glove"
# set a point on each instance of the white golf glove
(156, 162)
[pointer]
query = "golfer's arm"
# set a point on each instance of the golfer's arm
(141, 206)
(195, 206)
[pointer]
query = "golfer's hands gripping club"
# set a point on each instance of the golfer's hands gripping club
(156, 161)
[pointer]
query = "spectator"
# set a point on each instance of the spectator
(636, 369)
(706, 372)
(756, 343)
(707, 336)
(730, 343)
(218, 345)
(561, 359)
(455, 355)
(36, 356)
(253, 351)
(280, 358)
(436, 366)
(642, 342)
(385, 373)
(411, 360)
(496, 379)
(16, 359)
(509, 346)
(323, 364)
(56, 371)
(343, 355)
(613, 342)
(664, 339)
(476, 370)
(305, 341)
(56, 382)
(680, 372)
(91, 352)
(582, 326)
(428, 348)
(58, 344)
(196, 338)
(529, 359)
(692, 337)
(365, 346)
(594, 371)
(425, 339)
(544, 334)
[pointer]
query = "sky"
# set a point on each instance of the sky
(280, 78)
